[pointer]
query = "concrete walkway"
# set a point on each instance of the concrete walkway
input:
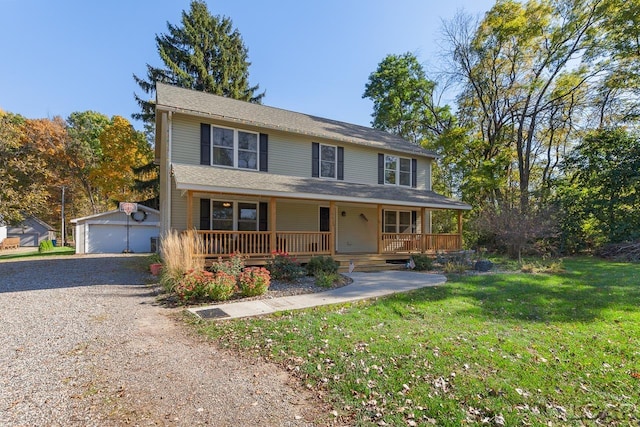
(365, 285)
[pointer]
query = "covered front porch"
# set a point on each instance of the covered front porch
(340, 228)
(259, 214)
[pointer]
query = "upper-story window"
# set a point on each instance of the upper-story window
(328, 161)
(397, 170)
(234, 148)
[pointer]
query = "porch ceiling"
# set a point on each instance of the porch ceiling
(222, 180)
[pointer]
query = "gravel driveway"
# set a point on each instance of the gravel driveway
(83, 343)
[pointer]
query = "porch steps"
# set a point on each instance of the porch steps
(371, 262)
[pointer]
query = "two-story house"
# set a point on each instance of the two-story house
(254, 179)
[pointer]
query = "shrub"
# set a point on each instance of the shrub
(233, 265)
(221, 287)
(182, 252)
(455, 267)
(45, 246)
(283, 267)
(254, 281)
(199, 284)
(422, 262)
(322, 264)
(326, 280)
(535, 267)
(192, 285)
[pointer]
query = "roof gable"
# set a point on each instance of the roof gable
(187, 101)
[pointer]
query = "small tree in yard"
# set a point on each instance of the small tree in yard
(510, 230)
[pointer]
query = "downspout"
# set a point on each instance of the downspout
(168, 157)
(165, 170)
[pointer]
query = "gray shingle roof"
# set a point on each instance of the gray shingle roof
(205, 104)
(213, 179)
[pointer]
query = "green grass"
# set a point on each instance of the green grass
(503, 349)
(65, 250)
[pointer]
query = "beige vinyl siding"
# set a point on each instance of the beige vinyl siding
(355, 234)
(291, 216)
(185, 145)
(178, 209)
(289, 154)
(360, 165)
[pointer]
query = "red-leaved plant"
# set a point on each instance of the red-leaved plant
(199, 284)
(254, 281)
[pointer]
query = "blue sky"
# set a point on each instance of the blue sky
(312, 57)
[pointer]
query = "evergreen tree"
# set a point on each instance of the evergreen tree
(204, 53)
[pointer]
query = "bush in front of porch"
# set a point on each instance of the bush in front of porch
(324, 269)
(184, 273)
(283, 266)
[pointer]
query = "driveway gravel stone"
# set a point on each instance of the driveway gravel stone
(83, 343)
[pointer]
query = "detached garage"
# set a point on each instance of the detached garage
(107, 232)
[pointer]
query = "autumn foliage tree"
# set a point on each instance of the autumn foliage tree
(23, 171)
(84, 152)
(123, 149)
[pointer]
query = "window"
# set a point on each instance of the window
(398, 222)
(222, 146)
(397, 171)
(222, 215)
(247, 217)
(247, 150)
(234, 216)
(328, 161)
(234, 148)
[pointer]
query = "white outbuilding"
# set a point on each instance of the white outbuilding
(117, 232)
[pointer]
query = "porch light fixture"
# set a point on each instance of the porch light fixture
(226, 204)
(343, 213)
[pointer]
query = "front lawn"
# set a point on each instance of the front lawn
(501, 349)
(60, 250)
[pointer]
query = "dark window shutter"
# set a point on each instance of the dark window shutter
(414, 221)
(380, 168)
(262, 213)
(414, 173)
(205, 144)
(315, 159)
(341, 163)
(264, 150)
(205, 214)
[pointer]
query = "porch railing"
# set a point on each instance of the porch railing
(303, 242)
(258, 243)
(393, 243)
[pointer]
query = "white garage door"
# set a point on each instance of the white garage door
(103, 238)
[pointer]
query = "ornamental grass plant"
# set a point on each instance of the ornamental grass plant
(181, 254)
